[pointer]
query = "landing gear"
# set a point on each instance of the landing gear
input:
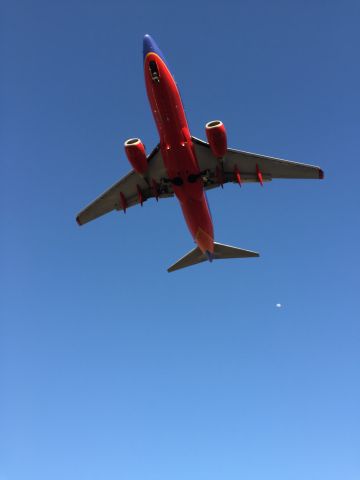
(154, 71)
(193, 178)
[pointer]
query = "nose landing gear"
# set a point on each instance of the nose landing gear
(154, 71)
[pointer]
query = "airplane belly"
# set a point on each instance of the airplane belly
(177, 150)
(165, 101)
(198, 219)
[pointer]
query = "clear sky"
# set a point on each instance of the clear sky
(111, 368)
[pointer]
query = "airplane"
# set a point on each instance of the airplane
(187, 167)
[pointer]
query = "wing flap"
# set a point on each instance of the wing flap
(126, 191)
(270, 167)
(111, 198)
(248, 164)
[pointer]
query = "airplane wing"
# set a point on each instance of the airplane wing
(130, 190)
(248, 165)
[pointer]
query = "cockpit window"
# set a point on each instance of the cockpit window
(154, 71)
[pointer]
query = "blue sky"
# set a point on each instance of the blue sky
(113, 368)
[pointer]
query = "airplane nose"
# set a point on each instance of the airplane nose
(149, 45)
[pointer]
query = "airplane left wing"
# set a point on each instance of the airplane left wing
(251, 167)
(130, 190)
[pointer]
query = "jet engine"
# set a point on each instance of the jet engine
(216, 135)
(135, 152)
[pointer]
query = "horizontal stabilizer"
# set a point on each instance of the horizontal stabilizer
(220, 251)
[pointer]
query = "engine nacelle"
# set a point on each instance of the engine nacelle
(135, 152)
(216, 135)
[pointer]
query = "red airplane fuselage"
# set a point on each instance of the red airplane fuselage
(178, 151)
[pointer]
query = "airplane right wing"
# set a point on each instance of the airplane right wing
(249, 165)
(130, 190)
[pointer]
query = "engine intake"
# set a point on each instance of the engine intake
(135, 152)
(216, 135)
